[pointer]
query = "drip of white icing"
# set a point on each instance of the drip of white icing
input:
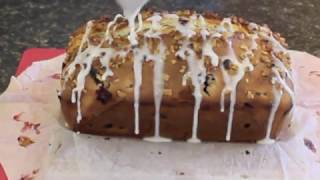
(131, 8)
(70, 69)
(187, 30)
(207, 49)
(85, 59)
(80, 59)
(231, 82)
(155, 26)
(158, 91)
(198, 73)
(107, 34)
(139, 55)
(266, 34)
(275, 105)
(140, 20)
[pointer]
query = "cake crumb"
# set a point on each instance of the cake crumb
(244, 176)
(308, 143)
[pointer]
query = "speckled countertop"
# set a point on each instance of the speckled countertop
(36, 23)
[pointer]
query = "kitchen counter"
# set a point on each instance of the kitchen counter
(35, 23)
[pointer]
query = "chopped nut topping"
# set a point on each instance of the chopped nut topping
(167, 92)
(182, 69)
(265, 73)
(242, 56)
(166, 77)
(265, 59)
(265, 53)
(121, 94)
(250, 95)
(173, 61)
(234, 69)
(244, 47)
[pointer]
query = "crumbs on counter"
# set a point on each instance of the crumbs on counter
(314, 73)
(26, 124)
(24, 141)
(308, 143)
(16, 117)
(56, 76)
(30, 176)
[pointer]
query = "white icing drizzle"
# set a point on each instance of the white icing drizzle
(186, 30)
(207, 46)
(139, 55)
(231, 82)
(155, 26)
(85, 59)
(158, 91)
(107, 35)
(131, 8)
(70, 69)
(196, 70)
(275, 105)
(80, 59)
(266, 34)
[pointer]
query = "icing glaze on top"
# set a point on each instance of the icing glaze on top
(152, 28)
(131, 9)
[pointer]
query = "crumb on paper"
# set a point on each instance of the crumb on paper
(24, 141)
(181, 173)
(247, 152)
(58, 148)
(36, 128)
(30, 126)
(308, 143)
(26, 126)
(244, 176)
(159, 152)
(315, 73)
(56, 76)
(17, 116)
(26, 177)
(106, 138)
(30, 176)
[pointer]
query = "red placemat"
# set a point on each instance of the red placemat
(29, 56)
(2, 174)
(36, 54)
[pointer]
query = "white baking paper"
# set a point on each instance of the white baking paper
(58, 153)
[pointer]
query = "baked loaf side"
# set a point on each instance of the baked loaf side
(180, 76)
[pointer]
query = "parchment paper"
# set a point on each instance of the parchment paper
(57, 153)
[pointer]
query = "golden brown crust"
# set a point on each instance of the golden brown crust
(114, 114)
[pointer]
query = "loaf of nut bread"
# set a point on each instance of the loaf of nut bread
(177, 76)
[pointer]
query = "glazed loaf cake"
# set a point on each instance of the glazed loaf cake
(177, 76)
